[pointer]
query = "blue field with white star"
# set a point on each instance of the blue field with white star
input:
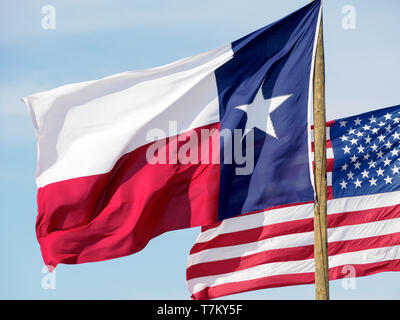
(366, 150)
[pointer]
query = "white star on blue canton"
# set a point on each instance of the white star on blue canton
(388, 180)
(395, 169)
(372, 181)
(357, 121)
(372, 164)
(380, 172)
(259, 113)
(357, 183)
(371, 149)
(365, 174)
(388, 116)
(346, 149)
(343, 184)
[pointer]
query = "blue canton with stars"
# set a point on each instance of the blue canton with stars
(367, 153)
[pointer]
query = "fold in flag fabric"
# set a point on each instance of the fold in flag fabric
(274, 248)
(126, 158)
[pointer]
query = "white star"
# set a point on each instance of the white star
(380, 172)
(374, 147)
(396, 136)
(394, 152)
(374, 130)
(353, 141)
(357, 121)
(357, 183)
(366, 156)
(353, 158)
(359, 134)
(360, 149)
(351, 131)
(388, 145)
(388, 128)
(372, 181)
(396, 120)
(350, 175)
(386, 162)
(365, 173)
(388, 180)
(395, 169)
(368, 139)
(259, 112)
(388, 116)
(343, 123)
(346, 149)
(372, 119)
(357, 165)
(343, 184)
(371, 164)
(381, 124)
(344, 167)
(366, 127)
(381, 138)
(344, 138)
(379, 154)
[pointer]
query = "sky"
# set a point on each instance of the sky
(94, 39)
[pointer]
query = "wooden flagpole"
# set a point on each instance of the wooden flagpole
(320, 182)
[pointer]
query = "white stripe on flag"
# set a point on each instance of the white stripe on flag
(328, 134)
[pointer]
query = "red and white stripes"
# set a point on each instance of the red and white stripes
(330, 159)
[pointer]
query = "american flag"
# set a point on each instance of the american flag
(274, 247)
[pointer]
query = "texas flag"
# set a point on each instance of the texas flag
(128, 157)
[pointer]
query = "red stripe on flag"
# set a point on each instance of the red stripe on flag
(261, 283)
(328, 124)
(329, 165)
(329, 191)
(328, 145)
